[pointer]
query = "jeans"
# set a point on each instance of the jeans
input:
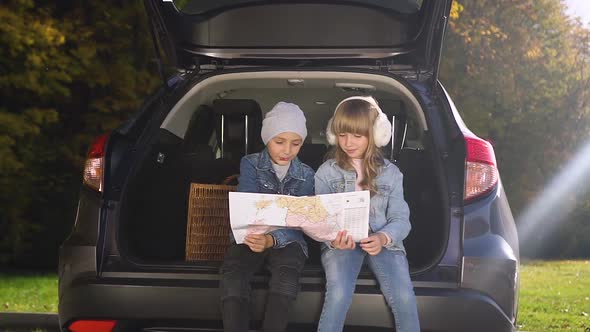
(240, 265)
(391, 270)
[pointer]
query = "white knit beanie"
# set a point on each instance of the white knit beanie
(283, 117)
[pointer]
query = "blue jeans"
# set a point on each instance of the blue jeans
(391, 269)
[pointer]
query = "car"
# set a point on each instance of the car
(125, 266)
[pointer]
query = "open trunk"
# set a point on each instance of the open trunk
(193, 146)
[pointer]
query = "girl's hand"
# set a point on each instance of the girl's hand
(259, 242)
(374, 243)
(342, 241)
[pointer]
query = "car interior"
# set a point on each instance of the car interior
(216, 123)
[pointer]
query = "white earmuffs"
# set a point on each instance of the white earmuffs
(381, 127)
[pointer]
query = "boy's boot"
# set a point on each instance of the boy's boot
(276, 316)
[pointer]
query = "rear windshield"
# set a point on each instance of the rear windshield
(202, 6)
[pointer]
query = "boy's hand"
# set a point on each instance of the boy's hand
(374, 243)
(259, 242)
(342, 241)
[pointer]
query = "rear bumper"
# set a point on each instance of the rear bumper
(175, 303)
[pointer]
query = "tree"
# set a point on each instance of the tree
(69, 71)
(517, 72)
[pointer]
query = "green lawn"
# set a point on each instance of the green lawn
(554, 295)
(30, 292)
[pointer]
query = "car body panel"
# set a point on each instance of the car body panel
(440, 308)
(490, 253)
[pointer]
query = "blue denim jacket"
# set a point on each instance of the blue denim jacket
(389, 212)
(258, 176)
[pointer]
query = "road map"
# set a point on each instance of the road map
(320, 217)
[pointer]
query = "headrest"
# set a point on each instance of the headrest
(234, 112)
(239, 107)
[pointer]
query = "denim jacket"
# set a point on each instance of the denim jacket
(258, 176)
(389, 212)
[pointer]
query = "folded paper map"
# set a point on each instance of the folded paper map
(320, 217)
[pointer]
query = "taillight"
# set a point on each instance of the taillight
(92, 326)
(94, 167)
(481, 171)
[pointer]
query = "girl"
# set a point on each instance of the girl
(275, 170)
(358, 129)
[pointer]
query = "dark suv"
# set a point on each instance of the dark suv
(125, 265)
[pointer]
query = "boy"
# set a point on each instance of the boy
(275, 170)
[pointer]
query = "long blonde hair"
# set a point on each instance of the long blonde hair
(357, 117)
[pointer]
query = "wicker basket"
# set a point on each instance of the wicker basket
(207, 229)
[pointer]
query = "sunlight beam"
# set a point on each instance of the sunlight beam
(556, 201)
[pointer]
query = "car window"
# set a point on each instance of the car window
(203, 6)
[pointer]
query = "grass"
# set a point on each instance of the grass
(28, 293)
(554, 295)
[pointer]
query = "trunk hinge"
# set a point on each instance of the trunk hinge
(385, 65)
(158, 56)
(218, 64)
(439, 53)
(161, 40)
(192, 66)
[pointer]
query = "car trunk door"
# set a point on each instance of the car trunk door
(404, 33)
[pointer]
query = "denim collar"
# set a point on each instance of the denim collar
(295, 170)
(332, 163)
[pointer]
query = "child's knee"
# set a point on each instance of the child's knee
(233, 286)
(285, 281)
(340, 293)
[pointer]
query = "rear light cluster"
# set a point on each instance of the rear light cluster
(481, 171)
(92, 326)
(94, 167)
